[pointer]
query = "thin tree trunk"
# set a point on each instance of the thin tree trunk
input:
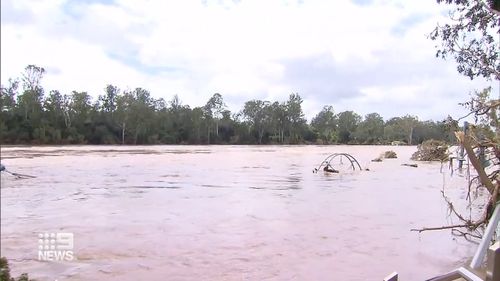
(136, 135)
(483, 177)
(123, 133)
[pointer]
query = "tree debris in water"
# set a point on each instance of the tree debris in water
(431, 150)
(388, 154)
(17, 175)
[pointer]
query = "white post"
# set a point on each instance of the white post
(493, 266)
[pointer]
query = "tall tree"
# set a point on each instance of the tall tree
(325, 124)
(371, 129)
(31, 98)
(279, 120)
(295, 115)
(408, 123)
(141, 114)
(124, 104)
(348, 121)
(80, 114)
(8, 95)
(257, 114)
(109, 100)
(7, 110)
(214, 108)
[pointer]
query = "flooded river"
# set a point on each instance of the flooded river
(227, 213)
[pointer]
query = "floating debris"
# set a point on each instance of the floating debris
(431, 150)
(390, 154)
(327, 167)
(19, 176)
(410, 165)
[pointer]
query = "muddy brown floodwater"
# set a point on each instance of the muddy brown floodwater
(227, 213)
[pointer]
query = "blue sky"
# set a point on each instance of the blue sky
(361, 55)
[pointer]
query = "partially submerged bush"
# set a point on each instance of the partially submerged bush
(431, 150)
(5, 272)
(390, 154)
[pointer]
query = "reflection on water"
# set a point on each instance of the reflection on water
(226, 213)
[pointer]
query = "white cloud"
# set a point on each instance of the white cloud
(242, 50)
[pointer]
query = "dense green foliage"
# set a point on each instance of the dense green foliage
(31, 116)
(5, 272)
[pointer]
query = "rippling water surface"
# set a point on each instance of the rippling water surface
(226, 213)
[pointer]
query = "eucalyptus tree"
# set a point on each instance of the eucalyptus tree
(471, 37)
(81, 106)
(227, 127)
(180, 124)
(123, 106)
(257, 114)
(8, 95)
(53, 105)
(197, 120)
(30, 101)
(80, 114)
(141, 112)
(295, 115)
(8, 110)
(325, 124)
(279, 120)
(429, 129)
(408, 123)
(213, 112)
(109, 100)
(54, 113)
(393, 130)
(348, 121)
(371, 129)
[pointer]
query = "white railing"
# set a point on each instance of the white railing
(478, 258)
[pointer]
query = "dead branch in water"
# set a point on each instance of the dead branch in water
(468, 224)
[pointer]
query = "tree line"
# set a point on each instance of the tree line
(30, 116)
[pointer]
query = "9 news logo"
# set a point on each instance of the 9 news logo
(55, 246)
